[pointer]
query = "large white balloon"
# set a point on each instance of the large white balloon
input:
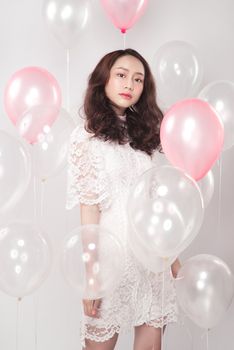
(147, 257)
(178, 71)
(165, 209)
(220, 95)
(92, 261)
(25, 258)
(66, 19)
(205, 288)
(15, 170)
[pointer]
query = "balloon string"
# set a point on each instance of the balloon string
(35, 323)
(124, 40)
(186, 327)
(220, 194)
(35, 191)
(163, 294)
(42, 201)
(17, 323)
(207, 339)
(68, 78)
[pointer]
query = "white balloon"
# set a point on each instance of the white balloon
(15, 170)
(178, 72)
(147, 257)
(206, 185)
(50, 152)
(92, 261)
(25, 258)
(165, 209)
(205, 288)
(220, 95)
(66, 19)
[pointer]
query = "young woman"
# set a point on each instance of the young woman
(118, 143)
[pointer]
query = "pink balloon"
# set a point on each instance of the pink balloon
(192, 136)
(124, 13)
(29, 87)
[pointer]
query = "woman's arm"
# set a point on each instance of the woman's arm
(175, 267)
(90, 214)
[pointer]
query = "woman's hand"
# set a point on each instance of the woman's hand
(175, 267)
(92, 307)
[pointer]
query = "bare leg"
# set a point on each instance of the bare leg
(147, 338)
(107, 345)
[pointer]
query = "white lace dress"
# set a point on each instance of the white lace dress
(102, 173)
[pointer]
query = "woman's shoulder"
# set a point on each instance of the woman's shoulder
(80, 135)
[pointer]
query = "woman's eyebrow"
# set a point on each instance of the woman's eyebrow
(127, 70)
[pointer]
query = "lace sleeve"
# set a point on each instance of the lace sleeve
(87, 180)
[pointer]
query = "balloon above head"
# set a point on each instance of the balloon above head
(205, 289)
(159, 215)
(124, 13)
(220, 95)
(15, 171)
(30, 87)
(178, 72)
(92, 261)
(25, 259)
(192, 136)
(66, 19)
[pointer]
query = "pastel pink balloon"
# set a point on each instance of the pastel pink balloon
(192, 136)
(29, 87)
(124, 13)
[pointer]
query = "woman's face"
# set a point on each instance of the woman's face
(126, 82)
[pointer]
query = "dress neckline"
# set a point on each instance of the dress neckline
(122, 117)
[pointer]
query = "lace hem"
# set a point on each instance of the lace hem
(98, 335)
(105, 333)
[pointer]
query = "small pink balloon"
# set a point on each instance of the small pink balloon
(124, 13)
(192, 136)
(29, 87)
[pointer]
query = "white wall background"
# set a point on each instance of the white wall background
(26, 41)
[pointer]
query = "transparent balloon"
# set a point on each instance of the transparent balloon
(205, 289)
(25, 258)
(178, 72)
(50, 151)
(92, 261)
(66, 19)
(15, 170)
(28, 87)
(36, 122)
(124, 13)
(206, 185)
(192, 136)
(220, 95)
(147, 257)
(159, 213)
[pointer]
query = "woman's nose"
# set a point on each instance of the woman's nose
(129, 85)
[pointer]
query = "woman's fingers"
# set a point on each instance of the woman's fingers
(96, 307)
(91, 307)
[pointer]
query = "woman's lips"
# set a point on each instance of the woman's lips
(126, 96)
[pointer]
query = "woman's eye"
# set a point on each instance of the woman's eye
(120, 75)
(138, 80)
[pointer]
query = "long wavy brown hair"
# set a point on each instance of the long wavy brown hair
(142, 126)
